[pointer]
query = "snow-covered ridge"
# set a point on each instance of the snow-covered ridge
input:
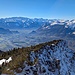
(66, 23)
(27, 22)
(56, 59)
(73, 33)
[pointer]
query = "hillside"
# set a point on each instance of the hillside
(5, 31)
(50, 58)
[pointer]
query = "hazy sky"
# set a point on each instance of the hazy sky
(58, 9)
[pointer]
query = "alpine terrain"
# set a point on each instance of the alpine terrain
(50, 58)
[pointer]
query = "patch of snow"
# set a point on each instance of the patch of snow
(8, 69)
(52, 44)
(2, 61)
(54, 23)
(66, 26)
(73, 33)
(10, 59)
(73, 21)
(5, 61)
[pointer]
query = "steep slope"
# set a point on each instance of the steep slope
(65, 31)
(56, 30)
(50, 58)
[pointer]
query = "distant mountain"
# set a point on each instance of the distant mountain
(50, 58)
(7, 31)
(33, 32)
(53, 29)
(57, 28)
(21, 22)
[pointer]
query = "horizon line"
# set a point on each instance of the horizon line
(34, 17)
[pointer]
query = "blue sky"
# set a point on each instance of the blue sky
(57, 9)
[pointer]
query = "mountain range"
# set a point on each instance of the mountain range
(22, 22)
(38, 30)
(50, 26)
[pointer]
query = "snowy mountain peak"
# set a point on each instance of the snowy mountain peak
(22, 22)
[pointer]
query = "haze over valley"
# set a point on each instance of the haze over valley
(21, 32)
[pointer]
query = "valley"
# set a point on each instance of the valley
(26, 32)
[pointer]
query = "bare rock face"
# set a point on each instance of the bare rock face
(50, 60)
